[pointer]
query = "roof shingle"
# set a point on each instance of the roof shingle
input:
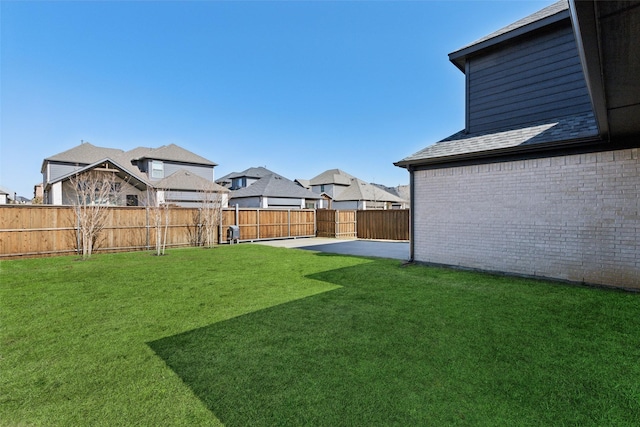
(563, 129)
(185, 180)
(360, 190)
(175, 153)
(332, 176)
(274, 185)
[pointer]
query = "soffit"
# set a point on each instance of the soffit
(608, 34)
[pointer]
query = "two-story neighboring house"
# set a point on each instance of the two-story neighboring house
(168, 174)
(543, 181)
(261, 188)
(340, 190)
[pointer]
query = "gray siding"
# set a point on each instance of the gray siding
(182, 196)
(529, 81)
(284, 202)
(246, 202)
(330, 189)
(349, 204)
(170, 168)
(56, 170)
(205, 172)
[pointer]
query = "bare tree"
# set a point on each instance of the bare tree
(95, 190)
(210, 213)
(159, 214)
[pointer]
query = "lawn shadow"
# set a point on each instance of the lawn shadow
(329, 359)
(411, 345)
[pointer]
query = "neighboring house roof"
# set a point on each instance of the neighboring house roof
(4, 190)
(360, 190)
(125, 160)
(185, 180)
(404, 192)
(566, 129)
(401, 191)
(136, 153)
(332, 176)
(550, 14)
(274, 185)
(305, 183)
(258, 172)
(85, 153)
(175, 153)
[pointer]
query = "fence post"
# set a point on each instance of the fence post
(147, 227)
(199, 231)
(77, 232)
(220, 225)
(289, 222)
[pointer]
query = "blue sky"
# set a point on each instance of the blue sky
(296, 86)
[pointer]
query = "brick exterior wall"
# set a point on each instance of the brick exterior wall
(573, 218)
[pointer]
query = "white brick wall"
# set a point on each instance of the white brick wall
(573, 218)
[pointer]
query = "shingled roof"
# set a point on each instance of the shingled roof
(84, 154)
(185, 180)
(332, 176)
(462, 144)
(258, 172)
(360, 190)
(175, 153)
(274, 185)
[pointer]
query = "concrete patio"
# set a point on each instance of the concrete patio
(369, 248)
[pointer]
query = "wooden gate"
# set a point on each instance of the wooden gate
(333, 223)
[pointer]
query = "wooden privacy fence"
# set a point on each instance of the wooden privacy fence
(41, 230)
(29, 231)
(363, 224)
(258, 224)
(389, 225)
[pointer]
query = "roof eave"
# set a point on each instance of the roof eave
(584, 19)
(497, 153)
(458, 58)
(166, 159)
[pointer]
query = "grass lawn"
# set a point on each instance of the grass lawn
(254, 335)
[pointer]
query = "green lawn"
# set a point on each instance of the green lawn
(253, 335)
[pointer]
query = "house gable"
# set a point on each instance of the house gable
(526, 72)
(536, 79)
(526, 92)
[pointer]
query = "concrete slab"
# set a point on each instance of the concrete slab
(358, 247)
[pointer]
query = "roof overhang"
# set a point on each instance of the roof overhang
(607, 35)
(459, 57)
(509, 153)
